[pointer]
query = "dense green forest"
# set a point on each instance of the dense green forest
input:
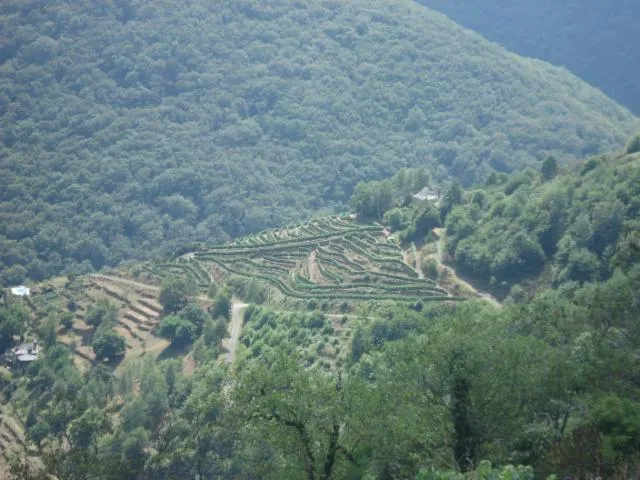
(130, 128)
(577, 227)
(541, 227)
(595, 39)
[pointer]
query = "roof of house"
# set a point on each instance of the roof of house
(21, 291)
(27, 357)
(427, 193)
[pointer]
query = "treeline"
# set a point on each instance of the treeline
(120, 143)
(549, 383)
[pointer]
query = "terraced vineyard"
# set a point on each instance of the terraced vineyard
(137, 305)
(331, 258)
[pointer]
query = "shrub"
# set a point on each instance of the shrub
(634, 144)
(107, 344)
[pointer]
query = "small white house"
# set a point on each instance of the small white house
(21, 291)
(428, 193)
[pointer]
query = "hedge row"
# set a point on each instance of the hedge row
(334, 295)
(326, 273)
(294, 241)
(340, 258)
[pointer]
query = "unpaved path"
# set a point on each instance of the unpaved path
(418, 260)
(440, 232)
(314, 275)
(235, 328)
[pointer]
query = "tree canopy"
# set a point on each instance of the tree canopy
(119, 142)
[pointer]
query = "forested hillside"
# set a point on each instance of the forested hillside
(579, 226)
(595, 39)
(538, 228)
(131, 127)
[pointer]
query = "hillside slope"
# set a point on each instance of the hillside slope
(579, 226)
(595, 39)
(129, 128)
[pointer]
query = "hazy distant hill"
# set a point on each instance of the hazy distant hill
(129, 127)
(596, 39)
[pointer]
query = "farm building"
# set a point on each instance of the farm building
(428, 193)
(21, 291)
(25, 352)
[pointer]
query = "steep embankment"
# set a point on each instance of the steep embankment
(131, 127)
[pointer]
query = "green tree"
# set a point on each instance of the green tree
(452, 197)
(634, 144)
(178, 329)
(301, 408)
(107, 344)
(173, 295)
(13, 322)
(549, 168)
(426, 218)
(103, 311)
(84, 430)
(222, 304)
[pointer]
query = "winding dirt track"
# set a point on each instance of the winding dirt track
(235, 327)
(440, 232)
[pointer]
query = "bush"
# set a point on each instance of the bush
(634, 144)
(107, 344)
(104, 312)
(177, 329)
(173, 294)
(66, 320)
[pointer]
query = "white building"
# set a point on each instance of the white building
(21, 291)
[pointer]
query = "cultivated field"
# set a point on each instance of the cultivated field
(328, 259)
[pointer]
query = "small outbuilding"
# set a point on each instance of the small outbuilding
(21, 291)
(428, 193)
(25, 353)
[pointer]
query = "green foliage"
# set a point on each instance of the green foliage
(66, 320)
(102, 312)
(425, 219)
(84, 430)
(577, 226)
(13, 322)
(634, 144)
(425, 393)
(549, 168)
(105, 114)
(107, 344)
(174, 294)
(178, 329)
(485, 471)
(222, 304)
(397, 219)
(372, 199)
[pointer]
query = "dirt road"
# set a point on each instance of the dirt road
(440, 232)
(235, 328)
